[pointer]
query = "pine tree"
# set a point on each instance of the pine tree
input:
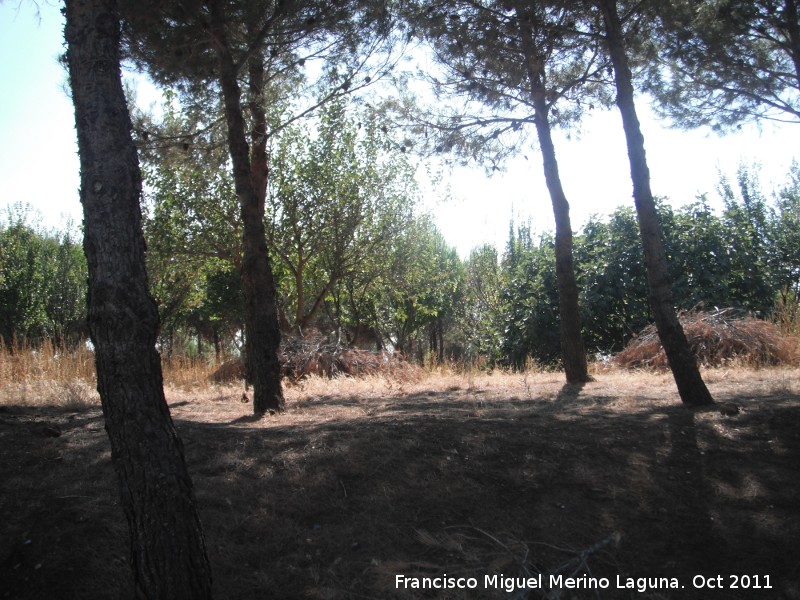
(684, 366)
(519, 64)
(167, 546)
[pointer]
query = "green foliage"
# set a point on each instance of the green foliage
(42, 282)
(337, 199)
(531, 296)
(747, 221)
(65, 289)
(613, 280)
(348, 253)
(747, 257)
(785, 256)
(423, 284)
(192, 227)
(482, 315)
(699, 255)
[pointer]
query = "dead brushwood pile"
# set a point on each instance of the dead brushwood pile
(315, 354)
(716, 338)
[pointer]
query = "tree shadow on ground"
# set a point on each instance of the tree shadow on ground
(338, 507)
(453, 483)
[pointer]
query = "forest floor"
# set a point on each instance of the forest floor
(466, 476)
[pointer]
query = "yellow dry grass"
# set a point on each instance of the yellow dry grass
(49, 376)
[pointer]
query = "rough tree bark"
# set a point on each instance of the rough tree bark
(573, 351)
(691, 387)
(262, 331)
(167, 548)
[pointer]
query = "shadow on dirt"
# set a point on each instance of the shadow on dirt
(433, 484)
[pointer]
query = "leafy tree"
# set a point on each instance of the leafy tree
(744, 257)
(747, 223)
(483, 312)
(337, 200)
(613, 280)
(42, 282)
(193, 230)
(724, 62)
(23, 308)
(699, 253)
(167, 547)
(65, 290)
(685, 370)
(531, 294)
(785, 256)
(422, 287)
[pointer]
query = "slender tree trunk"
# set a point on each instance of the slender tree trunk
(301, 297)
(441, 339)
(573, 350)
(167, 549)
(262, 333)
(684, 367)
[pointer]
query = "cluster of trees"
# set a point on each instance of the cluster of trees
(747, 256)
(242, 70)
(351, 255)
(42, 282)
(366, 267)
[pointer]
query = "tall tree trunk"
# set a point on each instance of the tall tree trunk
(167, 549)
(573, 350)
(684, 367)
(262, 333)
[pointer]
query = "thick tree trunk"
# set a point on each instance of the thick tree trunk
(262, 333)
(167, 548)
(684, 367)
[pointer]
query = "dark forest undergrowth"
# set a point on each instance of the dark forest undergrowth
(460, 475)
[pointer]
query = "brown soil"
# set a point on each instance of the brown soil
(464, 476)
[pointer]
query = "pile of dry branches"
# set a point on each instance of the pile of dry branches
(315, 354)
(716, 338)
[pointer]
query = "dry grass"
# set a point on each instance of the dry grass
(717, 339)
(58, 376)
(48, 376)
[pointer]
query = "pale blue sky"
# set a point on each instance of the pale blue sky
(39, 165)
(38, 152)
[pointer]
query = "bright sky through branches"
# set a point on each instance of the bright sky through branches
(39, 164)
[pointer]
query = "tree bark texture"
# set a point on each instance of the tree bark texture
(262, 332)
(167, 548)
(691, 387)
(573, 350)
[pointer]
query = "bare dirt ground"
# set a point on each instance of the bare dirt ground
(463, 476)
